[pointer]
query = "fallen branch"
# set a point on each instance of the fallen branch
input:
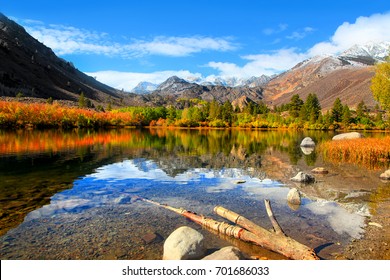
(271, 216)
(293, 252)
(275, 242)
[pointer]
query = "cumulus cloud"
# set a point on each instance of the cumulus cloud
(70, 40)
(179, 46)
(67, 40)
(374, 28)
(128, 80)
(267, 64)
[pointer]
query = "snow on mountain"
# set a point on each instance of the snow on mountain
(144, 88)
(378, 51)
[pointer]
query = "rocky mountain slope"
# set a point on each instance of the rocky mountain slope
(175, 87)
(29, 68)
(347, 76)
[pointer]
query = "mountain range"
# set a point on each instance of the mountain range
(29, 67)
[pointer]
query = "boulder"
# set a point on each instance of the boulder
(307, 150)
(226, 253)
(184, 243)
(307, 142)
(320, 170)
(349, 135)
(294, 197)
(302, 177)
(385, 175)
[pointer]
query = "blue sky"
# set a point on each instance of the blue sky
(125, 42)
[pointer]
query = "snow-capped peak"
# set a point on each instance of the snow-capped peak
(144, 88)
(377, 51)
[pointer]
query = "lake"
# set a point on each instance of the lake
(72, 194)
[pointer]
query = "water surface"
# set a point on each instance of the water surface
(71, 195)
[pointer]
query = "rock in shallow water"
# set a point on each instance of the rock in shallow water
(226, 253)
(385, 175)
(320, 170)
(184, 243)
(302, 177)
(294, 197)
(349, 135)
(307, 142)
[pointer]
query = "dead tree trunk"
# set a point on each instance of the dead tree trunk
(275, 242)
(250, 232)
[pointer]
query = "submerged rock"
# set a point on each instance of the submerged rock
(184, 243)
(226, 253)
(320, 170)
(385, 175)
(349, 135)
(307, 150)
(302, 177)
(294, 197)
(307, 142)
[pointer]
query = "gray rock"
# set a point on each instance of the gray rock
(294, 197)
(320, 170)
(302, 177)
(307, 150)
(385, 175)
(226, 253)
(349, 135)
(307, 142)
(184, 243)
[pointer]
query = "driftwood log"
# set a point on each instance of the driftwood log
(275, 241)
(246, 231)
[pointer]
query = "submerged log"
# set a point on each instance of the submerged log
(255, 234)
(275, 242)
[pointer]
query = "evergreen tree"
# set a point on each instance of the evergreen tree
(311, 110)
(227, 112)
(295, 105)
(346, 117)
(361, 110)
(337, 110)
(82, 101)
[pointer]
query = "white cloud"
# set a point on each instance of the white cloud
(180, 46)
(128, 80)
(69, 40)
(300, 34)
(259, 64)
(374, 28)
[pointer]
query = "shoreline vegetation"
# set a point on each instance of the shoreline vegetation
(194, 113)
(198, 114)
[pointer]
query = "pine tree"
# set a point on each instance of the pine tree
(346, 118)
(295, 105)
(337, 110)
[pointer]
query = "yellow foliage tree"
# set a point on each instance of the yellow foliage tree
(380, 84)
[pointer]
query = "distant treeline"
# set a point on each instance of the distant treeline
(297, 114)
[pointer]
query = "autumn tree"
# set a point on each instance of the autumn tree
(380, 84)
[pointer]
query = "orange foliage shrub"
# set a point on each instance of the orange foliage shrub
(17, 114)
(370, 152)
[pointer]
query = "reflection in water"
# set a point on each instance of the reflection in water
(78, 187)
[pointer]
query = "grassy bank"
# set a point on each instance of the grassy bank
(373, 153)
(15, 114)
